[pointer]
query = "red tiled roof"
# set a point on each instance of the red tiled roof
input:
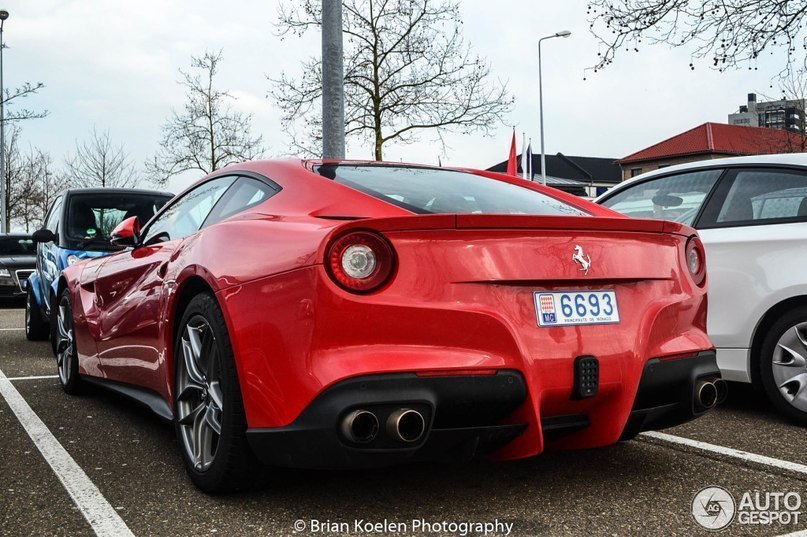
(722, 139)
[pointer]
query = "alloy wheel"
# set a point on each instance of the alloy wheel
(65, 345)
(199, 397)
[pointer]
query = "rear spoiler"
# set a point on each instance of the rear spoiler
(506, 221)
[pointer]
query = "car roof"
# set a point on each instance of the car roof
(781, 159)
(316, 194)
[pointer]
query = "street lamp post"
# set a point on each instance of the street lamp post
(564, 33)
(3, 208)
(333, 81)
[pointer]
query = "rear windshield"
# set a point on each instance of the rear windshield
(435, 190)
(17, 246)
(92, 217)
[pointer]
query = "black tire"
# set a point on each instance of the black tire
(783, 374)
(36, 329)
(206, 395)
(66, 352)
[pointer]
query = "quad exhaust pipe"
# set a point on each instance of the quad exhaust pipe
(710, 393)
(360, 426)
(406, 425)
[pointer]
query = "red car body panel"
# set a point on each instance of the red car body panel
(460, 300)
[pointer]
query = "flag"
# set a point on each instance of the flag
(524, 164)
(512, 162)
(531, 173)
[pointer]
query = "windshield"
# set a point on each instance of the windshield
(436, 190)
(92, 217)
(17, 246)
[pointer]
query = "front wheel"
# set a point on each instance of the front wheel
(65, 346)
(35, 328)
(209, 412)
(784, 365)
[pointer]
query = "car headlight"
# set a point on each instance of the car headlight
(72, 259)
(4, 273)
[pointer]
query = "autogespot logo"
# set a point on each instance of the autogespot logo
(713, 508)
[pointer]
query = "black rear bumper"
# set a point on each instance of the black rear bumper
(666, 395)
(462, 416)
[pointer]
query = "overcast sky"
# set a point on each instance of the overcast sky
(113, 65)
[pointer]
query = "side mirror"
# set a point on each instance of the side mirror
(127, 233)
(44, 235)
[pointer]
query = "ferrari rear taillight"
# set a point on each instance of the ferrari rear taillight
(360, 262)
(696, 260)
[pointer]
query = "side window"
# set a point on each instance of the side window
(245, 193)
(186, 215)
(762, 196)
(674, 197)
(52, 220)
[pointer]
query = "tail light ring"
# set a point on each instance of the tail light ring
(694, 245)
(384, 259)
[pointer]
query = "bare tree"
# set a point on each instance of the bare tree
(34, 189)
(31, 183)
(728, 33)
(14, 95)
(39, 168)
(12, 171)
(407, 70)
(98, 163)
(207, 134)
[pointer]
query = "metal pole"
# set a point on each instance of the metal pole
(2, 134)
(541, 108)
(564, 33)
(333, 98)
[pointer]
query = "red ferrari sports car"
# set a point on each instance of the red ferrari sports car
(348, 314)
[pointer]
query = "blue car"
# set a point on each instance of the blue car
(77, 226)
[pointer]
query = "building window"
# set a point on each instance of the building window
(635, 171)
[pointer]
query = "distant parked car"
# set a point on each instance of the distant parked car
(17, 262)
(751, 213)
(77, 226)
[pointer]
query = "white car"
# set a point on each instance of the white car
(751, 213)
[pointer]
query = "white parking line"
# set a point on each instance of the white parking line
(8, 329)
(34, 377)
(732, 453)
(101, 516)
(801, 533)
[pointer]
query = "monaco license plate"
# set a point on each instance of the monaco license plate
(566, 308)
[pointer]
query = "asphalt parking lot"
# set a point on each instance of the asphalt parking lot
(642, 487)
